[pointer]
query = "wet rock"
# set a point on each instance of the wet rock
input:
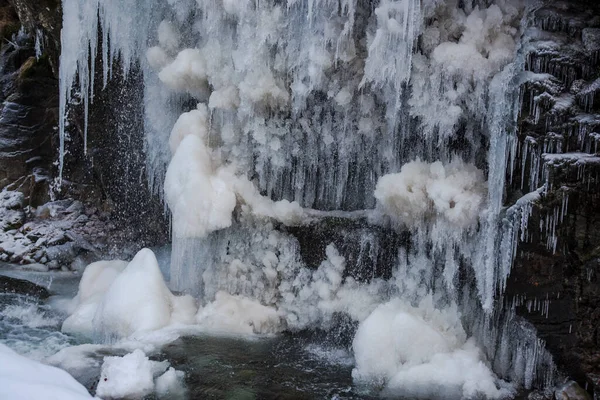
(571, 391)
(53, 265)
(20, 286)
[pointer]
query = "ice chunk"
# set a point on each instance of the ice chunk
(130, 376)
(137, 300)
(95, 281)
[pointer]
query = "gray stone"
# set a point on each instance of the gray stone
(44, 260)
(53, 265)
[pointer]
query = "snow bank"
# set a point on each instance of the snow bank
(239, 315)
(25, 379)
(116, 300)
(130, 376)
(421, 352)
(200, 198)
(454, 192)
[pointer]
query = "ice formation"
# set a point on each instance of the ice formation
(23, 379)
(455, 192)
(118, 299)
(261, 114)
(422, 352)
(239, 315)
(201, 199)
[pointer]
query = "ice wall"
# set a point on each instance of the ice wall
(262, 114)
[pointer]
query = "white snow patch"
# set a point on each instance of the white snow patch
(25, 379)
(170, 385)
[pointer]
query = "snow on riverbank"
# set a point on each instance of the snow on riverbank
(25, 379)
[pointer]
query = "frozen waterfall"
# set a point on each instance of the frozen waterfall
(265, 116)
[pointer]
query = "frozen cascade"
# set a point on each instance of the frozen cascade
(261, 116)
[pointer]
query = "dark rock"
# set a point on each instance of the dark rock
(20, 286)
(370, 251)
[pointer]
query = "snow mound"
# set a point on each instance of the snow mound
(25, 379)
(421, 352)
(116, 300)
(239, 315)
(454, 192)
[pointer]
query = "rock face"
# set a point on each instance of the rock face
(555, 282)
(110, 174)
